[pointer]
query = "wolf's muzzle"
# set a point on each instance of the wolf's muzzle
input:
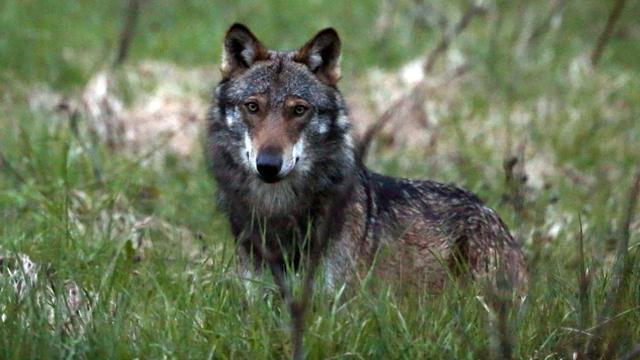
(268, 164)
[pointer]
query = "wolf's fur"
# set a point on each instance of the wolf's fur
(327, 201)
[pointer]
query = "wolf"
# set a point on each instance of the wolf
(281, 149)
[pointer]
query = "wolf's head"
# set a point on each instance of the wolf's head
(278, 114)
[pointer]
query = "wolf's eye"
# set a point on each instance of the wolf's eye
(299, 110)
(252, 107)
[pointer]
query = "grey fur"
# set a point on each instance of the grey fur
(329, 203)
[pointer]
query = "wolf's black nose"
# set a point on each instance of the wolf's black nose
(269, 164)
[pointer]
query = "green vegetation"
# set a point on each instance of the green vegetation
(153, 258)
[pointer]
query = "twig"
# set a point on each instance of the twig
(381, 122)
(448, 37)
(505, 347)
(583, 294)
(4, 163)
(513, 178)
(74, 117)
(428, 16)
(623, 268)
(542, 28)
(384, 22)
(497, 307)
(299, 308)
(614, 16)
(416, 95)
(634, 194)
(583, 280)
(128, 31)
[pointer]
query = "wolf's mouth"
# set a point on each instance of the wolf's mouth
(268, 179)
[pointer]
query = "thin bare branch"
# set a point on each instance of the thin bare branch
(5, 164)
(583, 280)
(544, 26)
(605, 36)
(634, 194)
(74, 119)
(131, 16)
(444, 43)
(415, 97)
(623, 269)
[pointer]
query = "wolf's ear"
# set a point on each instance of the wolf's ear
(322, 55)
(241, 50)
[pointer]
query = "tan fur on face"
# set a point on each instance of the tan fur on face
(278, 127)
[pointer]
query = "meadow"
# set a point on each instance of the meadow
(130, 258)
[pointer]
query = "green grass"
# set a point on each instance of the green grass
(178, 295)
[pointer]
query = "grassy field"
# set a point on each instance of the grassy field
(133, 260)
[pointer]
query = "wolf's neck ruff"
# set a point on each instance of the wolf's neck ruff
(280, 148)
